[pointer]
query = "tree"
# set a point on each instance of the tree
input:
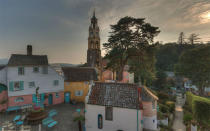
(195, 65)
(181, 38)
(128, 39)
(79, 117)
(193, 38)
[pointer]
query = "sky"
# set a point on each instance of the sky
(59, 28)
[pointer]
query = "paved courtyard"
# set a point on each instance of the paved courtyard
(64, 117)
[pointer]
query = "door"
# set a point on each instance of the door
(50, 99)
(67, 97)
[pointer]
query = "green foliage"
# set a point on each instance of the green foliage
(79, 118)
(187, 118)
(3, 87)
(200, 107)
(202, 112)
(129, 41)
(171, 106)
(164, 108)
(195, 65)
(160, 82)
(163, 97)
(167, 55)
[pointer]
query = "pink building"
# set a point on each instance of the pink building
(24, 74)
(109, 75)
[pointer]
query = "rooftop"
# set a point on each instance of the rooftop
(76, 74)
(121, 95)
(27, 60)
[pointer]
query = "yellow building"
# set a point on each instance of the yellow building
(77, 81)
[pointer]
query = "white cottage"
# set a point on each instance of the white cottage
(24, 73)
(113, 107)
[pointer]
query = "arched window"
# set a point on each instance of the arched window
(100, 121)
(97, 45)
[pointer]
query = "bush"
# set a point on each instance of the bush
(164, 108)
(200, 108)
(187, 118)
(171, 106)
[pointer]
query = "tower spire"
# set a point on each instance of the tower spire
(94, 14)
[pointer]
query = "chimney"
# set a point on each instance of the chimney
(29, 49)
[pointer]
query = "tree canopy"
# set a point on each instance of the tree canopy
(195, 65)
(129, 40)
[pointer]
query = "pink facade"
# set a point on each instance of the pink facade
(108, 75)
(3, 96)
(27, 99)
(148, 111)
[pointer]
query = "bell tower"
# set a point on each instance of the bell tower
(94, 51)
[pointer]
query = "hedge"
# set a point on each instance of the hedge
(200, 107)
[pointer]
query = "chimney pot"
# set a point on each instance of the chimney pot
(29, 49)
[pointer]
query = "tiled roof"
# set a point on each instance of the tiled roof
(121, 95)
(27, 60)
(76, 74)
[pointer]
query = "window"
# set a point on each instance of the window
(19, 99)
(79, 93)
(153, 104)
(100, 121)
(109, 113)
(17, 86)
(36, 69)
(31, 84)
(45, 70)
(56, 95)
(55, 82)
(20, 70)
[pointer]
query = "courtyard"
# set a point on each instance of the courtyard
(64, 117)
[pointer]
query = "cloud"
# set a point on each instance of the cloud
(60, 28)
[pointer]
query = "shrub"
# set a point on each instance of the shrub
(187, 118)
(200, 107)
(164, 108)
(171, 106)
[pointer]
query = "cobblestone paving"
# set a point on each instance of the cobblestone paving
(64, 117)
(178, 122)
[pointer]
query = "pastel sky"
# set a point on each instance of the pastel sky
(59, 28)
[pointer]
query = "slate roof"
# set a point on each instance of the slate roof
(77, 74)
(27, 60)
(121, 95)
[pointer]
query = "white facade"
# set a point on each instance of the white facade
(3, 76)
(131, 77)
(123, 119)
(188, 85)
(45, 82)
(150, 122)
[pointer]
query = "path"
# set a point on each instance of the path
(178, 124)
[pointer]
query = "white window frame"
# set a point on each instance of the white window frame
(19, 99)
(78, 93)
(56, 82)
(21, 71)
(31, 86)
(18, 84)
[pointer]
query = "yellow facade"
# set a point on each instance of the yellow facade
(74, 87)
